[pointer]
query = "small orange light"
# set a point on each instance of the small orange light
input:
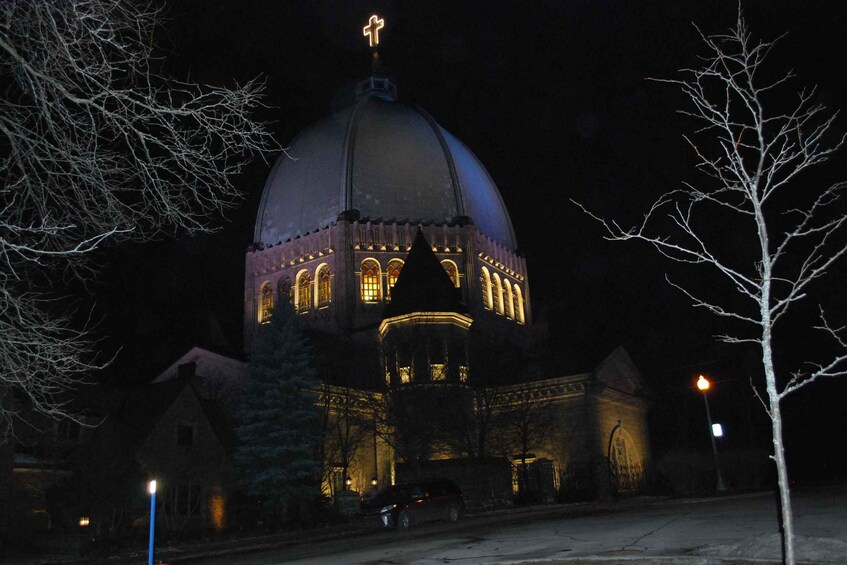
(84, 521)
(703, 383)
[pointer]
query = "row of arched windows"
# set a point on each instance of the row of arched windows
(310, 292)
(371, 281)
(501, 297)
(305, 294)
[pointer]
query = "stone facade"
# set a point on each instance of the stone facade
(343, 247)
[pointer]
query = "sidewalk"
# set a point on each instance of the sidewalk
(754, 549)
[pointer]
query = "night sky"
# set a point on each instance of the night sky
(552, 98)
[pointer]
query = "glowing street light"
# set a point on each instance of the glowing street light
(704, 385)
(151, 488)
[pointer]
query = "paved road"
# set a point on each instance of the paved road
(741, 526)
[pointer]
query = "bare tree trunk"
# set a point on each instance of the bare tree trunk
(779, 456)
(751, 162)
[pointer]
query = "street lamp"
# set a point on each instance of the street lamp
(151, 488)
(703, 385)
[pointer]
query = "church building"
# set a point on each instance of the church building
(392, 241)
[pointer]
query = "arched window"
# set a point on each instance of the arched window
(371, 281)
(304, 291)
(324, 286)
(393, 271)
(507, 299)
(487, 298)
(283, 290)
(266, 303)
(518, 305)
(498, 295)
(452, 271)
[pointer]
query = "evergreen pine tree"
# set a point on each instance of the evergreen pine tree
(278, 420)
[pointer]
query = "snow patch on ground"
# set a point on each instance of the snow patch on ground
(768, 546)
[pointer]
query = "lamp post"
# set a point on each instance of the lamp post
(151, 488)
(704, 385)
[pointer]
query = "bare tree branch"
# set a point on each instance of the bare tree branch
(753, 155)
(97, 148)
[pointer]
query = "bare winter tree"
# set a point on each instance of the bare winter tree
(521, 424)
(95, 147)
(754, 148)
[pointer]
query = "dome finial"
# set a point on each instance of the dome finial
(378, 84)
(371, 31)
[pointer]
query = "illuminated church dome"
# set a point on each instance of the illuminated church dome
(342, 207)
(384, 160)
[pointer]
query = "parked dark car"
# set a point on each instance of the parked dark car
(402, 506)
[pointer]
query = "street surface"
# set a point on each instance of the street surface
(738, 526)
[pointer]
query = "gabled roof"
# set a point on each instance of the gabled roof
(144, 406)
(423, 284)
(207, 363)
(618, 372)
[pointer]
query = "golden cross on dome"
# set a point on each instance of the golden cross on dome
(375, 23)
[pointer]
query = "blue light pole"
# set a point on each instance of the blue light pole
(151, 488)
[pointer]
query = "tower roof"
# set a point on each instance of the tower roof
(423, 285)
(385, 160)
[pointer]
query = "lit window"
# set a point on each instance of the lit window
(452, 271)
(507, 299)
(324, 287)
(393, 272)
(519, 315)
(266, 303)
(304, 291)
(498, 294)
(283, 290)
(387, 378)
(405, 375)
(463, 373)
(487, 297)
(438, 372)
(370, 281)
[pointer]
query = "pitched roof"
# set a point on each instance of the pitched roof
(144, 406)
(423, 284)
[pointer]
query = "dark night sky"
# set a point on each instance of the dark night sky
(552, 97)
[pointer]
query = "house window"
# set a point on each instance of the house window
(370, 281)
(405, 375)
(463, 373)
(304, 291)
(438, 372)
(393, 272)
(184, 434)
(487, 297)
(266, 303)
(452, 271)
(324, 286)
(182, 499)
